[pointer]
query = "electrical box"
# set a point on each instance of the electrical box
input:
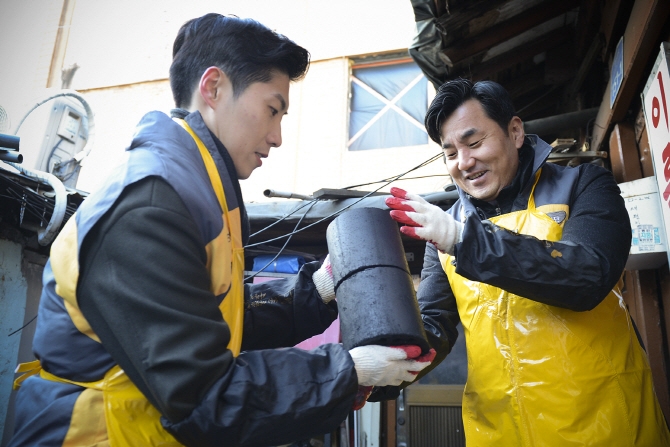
(65, 136)
(649, 245)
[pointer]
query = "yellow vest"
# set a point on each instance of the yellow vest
(540, 375)
(112, 411)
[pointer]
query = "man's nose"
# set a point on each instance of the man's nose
(274, 137)
(465, 160)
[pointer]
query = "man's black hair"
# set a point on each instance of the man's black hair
(245, 50)
(493, 97)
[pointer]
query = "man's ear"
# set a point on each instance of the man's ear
(210, 87)
(516, 132)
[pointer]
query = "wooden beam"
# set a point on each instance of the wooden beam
(642, 32)
(503, 31)
(641, 296)
(584, 68)
(624, 155)
(588, 22)
(516, 55)
(471, 10)
(60, 45)
(613, 22)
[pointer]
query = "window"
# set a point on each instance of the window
(388, 105)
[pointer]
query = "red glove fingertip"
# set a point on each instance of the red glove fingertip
(402, 217)
(398, 192)
(398, 204)
(412, 351)
(409, 231)
(427, 357)
(362, 397)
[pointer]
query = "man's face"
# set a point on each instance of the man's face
(250, 124)
(480, 158)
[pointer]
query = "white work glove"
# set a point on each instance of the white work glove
(382, 365)
(428, 222)
(323, 280)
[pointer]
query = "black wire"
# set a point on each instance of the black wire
(35, 204)
(51, 154)
(283, 217)
(23, 327)
(430, 160)
(33, 209)
(285, 243)
(406, 178)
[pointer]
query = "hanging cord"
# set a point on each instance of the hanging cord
(285, 243)
(284, 217)
(387, 179)
(430, 160)
(23, 327)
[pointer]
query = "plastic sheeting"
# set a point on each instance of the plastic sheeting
(391, 128)
(427, 44)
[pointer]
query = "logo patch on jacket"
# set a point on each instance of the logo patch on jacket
(558, 216)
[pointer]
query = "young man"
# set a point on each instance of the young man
(528, 260)
(146, 334)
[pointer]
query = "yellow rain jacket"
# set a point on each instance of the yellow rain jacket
(542, 375)
(544, 369)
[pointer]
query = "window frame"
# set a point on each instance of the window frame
(377, 61)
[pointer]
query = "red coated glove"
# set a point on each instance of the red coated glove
(426, 221)
(362, 396)
(382, 365)
(427, 357)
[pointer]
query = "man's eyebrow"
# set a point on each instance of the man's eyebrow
(281, 100)
(468, 133)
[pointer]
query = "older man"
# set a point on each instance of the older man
(528, 259)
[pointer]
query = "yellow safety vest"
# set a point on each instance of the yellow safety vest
(113, 411)
(540, 375)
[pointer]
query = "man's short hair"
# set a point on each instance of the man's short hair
(493, 97)
(245, 50)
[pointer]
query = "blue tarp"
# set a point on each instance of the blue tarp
(283, 264)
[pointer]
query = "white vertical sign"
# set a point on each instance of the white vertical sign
(656, 99)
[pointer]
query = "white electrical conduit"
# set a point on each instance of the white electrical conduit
(46, 235)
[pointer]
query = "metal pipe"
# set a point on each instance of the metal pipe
(9, 141)
(557, 123)
(285, 195)
(11, 156)
(46, 235)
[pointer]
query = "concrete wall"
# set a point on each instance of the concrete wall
(20, 289)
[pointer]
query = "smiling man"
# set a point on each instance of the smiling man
(146, 333)
(528, 261)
